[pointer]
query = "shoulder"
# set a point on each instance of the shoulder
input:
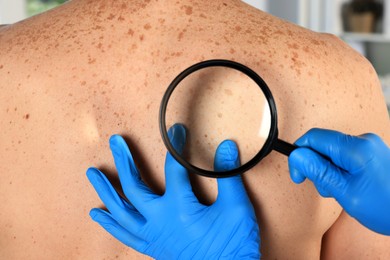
(360, 108)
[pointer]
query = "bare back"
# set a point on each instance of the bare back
(72, 77)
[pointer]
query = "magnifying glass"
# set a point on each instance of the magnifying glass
(218, 100)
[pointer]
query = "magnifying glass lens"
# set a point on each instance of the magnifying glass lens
(215, 104)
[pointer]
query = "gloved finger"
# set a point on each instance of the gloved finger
(226, 158)
(339, 147)
(176, 176)
(329, 180)
(134, 188)
(115, 229)
(124, 213)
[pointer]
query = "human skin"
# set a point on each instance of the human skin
(72, 77)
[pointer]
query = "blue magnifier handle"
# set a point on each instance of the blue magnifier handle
(284, 148)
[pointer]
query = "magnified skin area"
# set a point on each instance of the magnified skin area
(72, 77)
(223, 99)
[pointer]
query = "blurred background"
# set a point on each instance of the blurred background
(363, 24)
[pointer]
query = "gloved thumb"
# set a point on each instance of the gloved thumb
(227, 158)
(329, 180)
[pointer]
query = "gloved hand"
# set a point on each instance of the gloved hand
(353, 170)
(175, 225)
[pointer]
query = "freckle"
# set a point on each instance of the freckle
(112, 16)
(361, 106)
(10, 183)
(220, 115)
(315, 42)
(19, 142)
(293, 46)
(27, 116)
(15, 109)
(142, 37)
(188, 10)
(205, 135)
(356, 95)
(121, 19)
(238, 28)
(279, 32)
(14, 237)
(130, 32)
(228, 92)
(147, 26)
(181, 35)
(1, 66)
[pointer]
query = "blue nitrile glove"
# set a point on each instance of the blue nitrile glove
(175, 225)
(355, 170)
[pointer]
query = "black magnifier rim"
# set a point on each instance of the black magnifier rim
(273, 134)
